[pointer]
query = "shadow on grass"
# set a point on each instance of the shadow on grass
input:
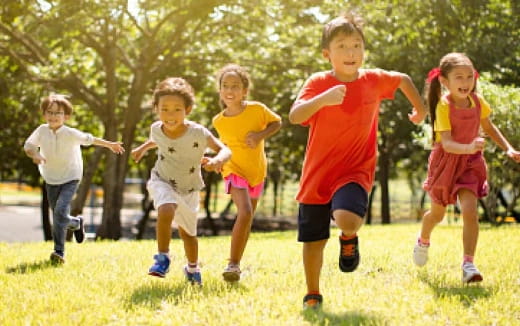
(25, 268)
(465, 293)
(320, 317)
(155, 294)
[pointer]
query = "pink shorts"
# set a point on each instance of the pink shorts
(239, 182)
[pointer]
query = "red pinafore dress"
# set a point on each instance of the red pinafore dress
(449, 172)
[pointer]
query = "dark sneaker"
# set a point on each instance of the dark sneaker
(161, 266)
(312, 301)
(79, 234)
(193, 278)
(348, 255)
(57, 258)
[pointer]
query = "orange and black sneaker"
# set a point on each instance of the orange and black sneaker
(312, 301)
(349, 253)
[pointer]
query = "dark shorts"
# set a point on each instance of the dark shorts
(314, 220)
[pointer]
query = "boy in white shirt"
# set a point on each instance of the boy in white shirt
(61, 166)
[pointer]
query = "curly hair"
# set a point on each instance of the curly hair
(174, 86)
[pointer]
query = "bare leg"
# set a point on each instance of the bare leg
(165, 215)
(242, 227)
(470, 230)
(191, 246)
(431, 218)
(312, 263)
(348, 222)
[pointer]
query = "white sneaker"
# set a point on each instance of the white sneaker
(232, 273)
(420, 254)
(470, 273)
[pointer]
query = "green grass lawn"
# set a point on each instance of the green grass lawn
(105, 283)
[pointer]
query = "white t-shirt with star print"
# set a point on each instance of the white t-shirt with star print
(178, 160)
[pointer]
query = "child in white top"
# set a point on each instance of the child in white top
(176, 178)
(61, 166)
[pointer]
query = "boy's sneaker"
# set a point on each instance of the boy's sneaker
(420, 253)
(312, 301)
(57, 258)
(193, 278)
(232, 273)
(79, 233)
(161, 266)
(349, 254)
(470, 273)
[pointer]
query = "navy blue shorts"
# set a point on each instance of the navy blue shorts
(314, 220)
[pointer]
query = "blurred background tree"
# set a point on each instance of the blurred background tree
(109, 54)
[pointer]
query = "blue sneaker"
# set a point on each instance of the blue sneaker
(193, 278)
(161, 266)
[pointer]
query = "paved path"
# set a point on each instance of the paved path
(23, 223)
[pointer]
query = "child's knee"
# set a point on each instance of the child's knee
(166, 211)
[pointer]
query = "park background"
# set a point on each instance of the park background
(107, 55)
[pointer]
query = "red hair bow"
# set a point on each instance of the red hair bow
(434, 73)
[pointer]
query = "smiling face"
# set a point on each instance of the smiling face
(460, 81)
(345, 53)
(232, 91)
(55, 116)
(172, 111)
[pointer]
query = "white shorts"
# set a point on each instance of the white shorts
(187, 205)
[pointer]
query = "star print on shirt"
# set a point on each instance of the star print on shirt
(191, 190)
(171, 150)
(192, 170)
(161, 157)
(173, 183)
(195, 144)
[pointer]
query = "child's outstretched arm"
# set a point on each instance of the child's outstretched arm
(451, 146)
(32, 151)
(138, 152)
(494, 133)
(254, 138)
(412, 94)
(303, 110)
(217, 162)
(112, 145)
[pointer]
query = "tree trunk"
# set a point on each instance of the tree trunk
(275, 177)
(81, 195)
(209, 181)
(370, 202)
(384, 171)
(46, 222)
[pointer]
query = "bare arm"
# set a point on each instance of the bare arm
(223, 155)
(303, 110)
(494, 133)
(412, 94)
(32, 151)
(254, 138)
(451, 146)
(138, 152)
(113, 146)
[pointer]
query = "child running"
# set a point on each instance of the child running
(341, 107)
(176, 178)
(56, 149)
(243, 126)
(456, 167)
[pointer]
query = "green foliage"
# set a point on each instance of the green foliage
(105, 283)
(110, 54)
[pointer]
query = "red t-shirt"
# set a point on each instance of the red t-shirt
(342, 143)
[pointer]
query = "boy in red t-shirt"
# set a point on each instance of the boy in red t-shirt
(341, 107)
